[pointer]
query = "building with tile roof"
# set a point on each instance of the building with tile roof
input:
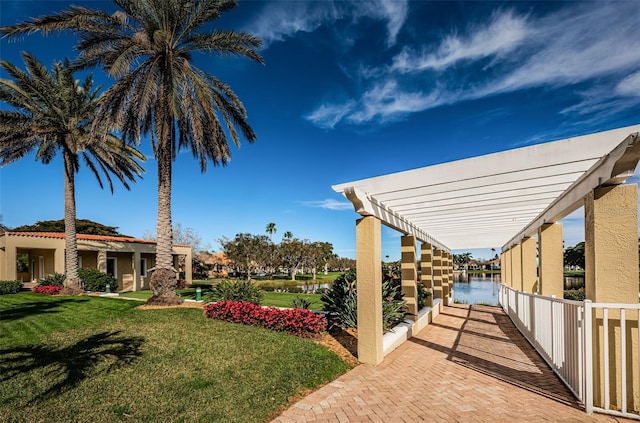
(129, 260)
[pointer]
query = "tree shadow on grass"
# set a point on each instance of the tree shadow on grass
(68, 366)
(34, 308)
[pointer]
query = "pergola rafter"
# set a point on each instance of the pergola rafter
(500, 198)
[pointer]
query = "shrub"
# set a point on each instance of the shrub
(299, 302)
(10, 287)
(47, 289)
(181, 284)
(226, 290)
(299, 322)
(340, 301)
(54, 279)
(96, 281)
(574, 294)
(423, 294)
(393, 306)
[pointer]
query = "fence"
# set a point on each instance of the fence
(565, 333)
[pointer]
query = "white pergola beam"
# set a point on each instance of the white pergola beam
(496, 199)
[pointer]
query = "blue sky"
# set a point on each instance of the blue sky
(351, 90)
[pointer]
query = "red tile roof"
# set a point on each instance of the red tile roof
(86, 237)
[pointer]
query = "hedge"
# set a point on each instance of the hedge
(10, 287)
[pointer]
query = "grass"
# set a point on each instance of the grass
(275, 299)
(185, 294)
(301, 280)
(284, 299)
(79, 359)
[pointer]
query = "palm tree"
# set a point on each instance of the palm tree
(271, 229)
(148, 47)
(53, 112)
(288, 235)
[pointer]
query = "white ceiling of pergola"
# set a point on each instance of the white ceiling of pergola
(495, 200)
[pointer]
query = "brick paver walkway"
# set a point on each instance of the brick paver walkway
(470, 365)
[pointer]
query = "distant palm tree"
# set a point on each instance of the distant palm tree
(271, 229)
(52, 112)
(287, 235)
(148, 47)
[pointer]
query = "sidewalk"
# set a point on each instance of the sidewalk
(470, 365)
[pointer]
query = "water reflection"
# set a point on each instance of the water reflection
(476, 289)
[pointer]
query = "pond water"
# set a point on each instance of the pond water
(476, 289)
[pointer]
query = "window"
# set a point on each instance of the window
(41, 267)
(143, 267)
(112, 267)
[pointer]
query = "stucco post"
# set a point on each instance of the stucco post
(426, 269)
(611, 276)
(437, 276)
(529, 266)
(10, 258)
(445, 278)
(551, 266)
(450, 272)
(503, 259)
(58, 260)
(508, 277)
(409, 273)
(516, 267)
(102, 261)
(369, 283)
(188, 268)
(136, 267)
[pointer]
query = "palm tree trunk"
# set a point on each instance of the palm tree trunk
(163, 280)
(72, 281)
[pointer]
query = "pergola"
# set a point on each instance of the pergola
(496, 199)
(501, 199)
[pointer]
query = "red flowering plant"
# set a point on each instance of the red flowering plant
(47, 289)
(298, 322)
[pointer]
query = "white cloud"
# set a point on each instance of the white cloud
(387, 101)
(579, 43)
(326, 116)
(280, 20)
(504, 32)
(394, 12)
(330, 204)
(630, 86)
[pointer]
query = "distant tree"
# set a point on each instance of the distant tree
(462, 259)
(51, 113)
(341, 264)
(287, 235)
(574, 256)
(271, 229)
(318, 255)
(184, 236)
(83, 226)
(292, 253)
(247, 251)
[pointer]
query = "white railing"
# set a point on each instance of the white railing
(623, 320)
(564, 334)
(554, 328)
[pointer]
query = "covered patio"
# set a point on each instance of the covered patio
(512, 199)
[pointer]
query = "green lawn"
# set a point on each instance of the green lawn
(88, 359)
(284, 299)
(275, 299)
